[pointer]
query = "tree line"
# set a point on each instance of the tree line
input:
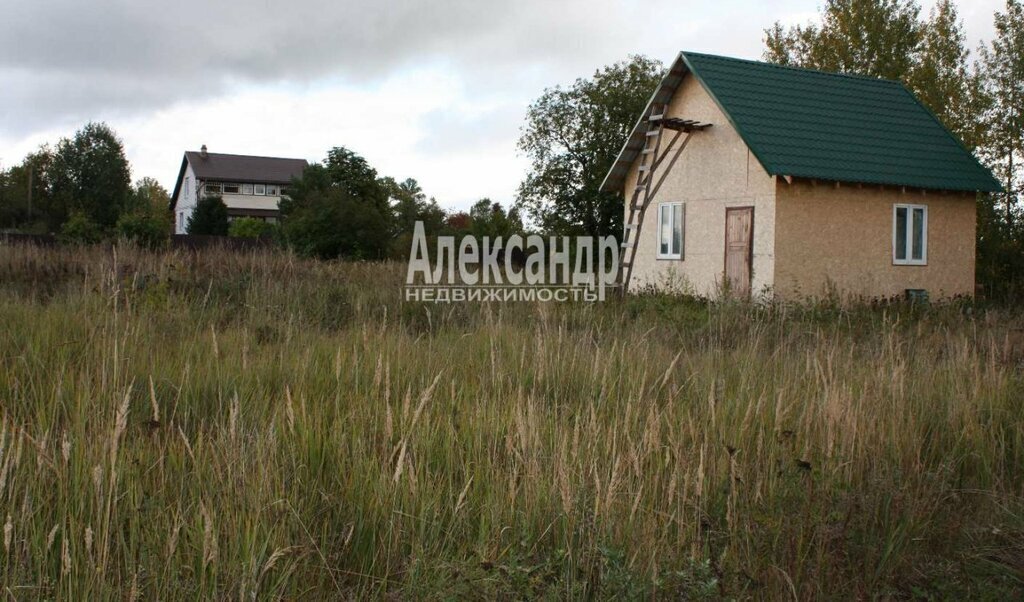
(82, 189)
(340, 207)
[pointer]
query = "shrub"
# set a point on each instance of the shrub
(334, 224)
(151, 230)
(80, 229)
(210, 217)
(250, 227)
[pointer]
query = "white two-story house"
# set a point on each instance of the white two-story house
(250, 186)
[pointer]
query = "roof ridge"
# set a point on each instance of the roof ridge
(209, 154)
(808, 70)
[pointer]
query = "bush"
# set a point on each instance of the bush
(210, 217)
(151, 230)
(80, 229)
(250, 227)
(333, 224)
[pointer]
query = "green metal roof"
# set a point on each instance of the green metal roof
(812, 124)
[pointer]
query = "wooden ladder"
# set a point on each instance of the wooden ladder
(641, 193)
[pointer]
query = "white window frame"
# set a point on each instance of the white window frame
(213, 188)
(909, 240)
(673, 208)
(224, 188)
(259, 189)
(272, 190)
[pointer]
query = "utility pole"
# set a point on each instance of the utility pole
(31, 176)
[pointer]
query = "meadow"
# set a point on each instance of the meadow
(251, 426)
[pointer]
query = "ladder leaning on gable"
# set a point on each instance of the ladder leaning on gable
(651, 158)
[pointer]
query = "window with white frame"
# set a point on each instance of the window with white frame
(259, 189)
(187, 180)
(231, 188)
(910, 234)
(272, 190)
(670, 231)
(212, 188)
(246, 188)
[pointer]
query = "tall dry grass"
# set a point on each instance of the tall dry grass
(232, 426)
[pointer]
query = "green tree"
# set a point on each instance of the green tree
(330, 223)
(353, 175)
(150, 196)
(940, 77)
(879, 38)
(147, 220)
(490, 219)
(410, 205)
(210, 217)
(572, 136)
(89, 173)
(339, 208)
(1000, 251)
(25, 199)
(1002, 75)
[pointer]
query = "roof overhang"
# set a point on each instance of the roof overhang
(177, 183)
(245, 180)
(616, 177)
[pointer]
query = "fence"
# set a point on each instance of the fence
(189, 242)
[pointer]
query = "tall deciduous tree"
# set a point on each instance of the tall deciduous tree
(490, 219)
(25, 198)
(869, 37)
(90, 173)
(940, 77)
(338, 208)
(572, 136)
(353, 175)
(1002, 74)
(409, 205)
(150, 196)
(147, 220)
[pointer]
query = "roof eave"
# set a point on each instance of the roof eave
(991, 187)
(246, 180)
(614, 181)
(177, 183)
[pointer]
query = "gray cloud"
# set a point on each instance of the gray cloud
(65, 61)
(68, 59)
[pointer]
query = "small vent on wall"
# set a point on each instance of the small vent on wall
(916, 295)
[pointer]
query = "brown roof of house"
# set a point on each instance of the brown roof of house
(245, 168)
(220, 167)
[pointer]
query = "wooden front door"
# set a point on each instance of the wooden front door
(739, 249)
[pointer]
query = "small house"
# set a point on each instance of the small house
(759, 179)
(250, 186)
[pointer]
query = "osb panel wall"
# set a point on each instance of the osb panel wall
(715, 171)
(840, 239)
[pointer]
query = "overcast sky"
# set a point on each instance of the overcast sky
(434, 90)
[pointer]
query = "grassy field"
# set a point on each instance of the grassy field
(232, 426)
